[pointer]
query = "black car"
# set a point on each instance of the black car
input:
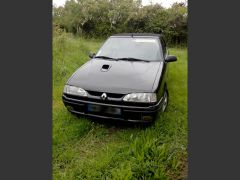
(126, 80)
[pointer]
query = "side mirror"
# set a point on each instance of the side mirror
(170, 58)
(91, 55)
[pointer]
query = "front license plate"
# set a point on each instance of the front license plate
(113, 110)
(103, 109)
(93, 108)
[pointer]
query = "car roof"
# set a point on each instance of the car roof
(137, 34)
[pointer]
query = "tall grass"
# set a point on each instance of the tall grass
(84, 149)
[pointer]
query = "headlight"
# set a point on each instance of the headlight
(74, 90)
(140, 97)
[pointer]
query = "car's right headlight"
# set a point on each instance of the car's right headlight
(73, 90)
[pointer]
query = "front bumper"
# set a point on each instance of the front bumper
(132, 113)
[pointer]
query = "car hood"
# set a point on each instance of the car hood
(122, 77)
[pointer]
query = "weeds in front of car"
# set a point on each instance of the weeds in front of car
(84, 149)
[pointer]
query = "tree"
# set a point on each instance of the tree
(102, 18)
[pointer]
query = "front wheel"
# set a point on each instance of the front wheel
(165, 100)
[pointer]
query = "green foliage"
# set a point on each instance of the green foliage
(90, 18)
(83, 149)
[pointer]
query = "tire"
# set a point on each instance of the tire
(165, 100)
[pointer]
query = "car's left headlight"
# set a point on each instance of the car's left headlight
(141, 97)
(73, 90)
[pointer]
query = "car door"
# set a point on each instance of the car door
(165, 67)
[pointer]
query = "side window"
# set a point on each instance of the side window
(163, 47)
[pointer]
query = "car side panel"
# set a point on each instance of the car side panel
(161, 81)
(161, 77)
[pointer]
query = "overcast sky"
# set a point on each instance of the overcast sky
(164, 3)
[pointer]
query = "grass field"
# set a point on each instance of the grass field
(84, 149)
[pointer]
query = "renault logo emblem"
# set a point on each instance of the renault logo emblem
(104, 96)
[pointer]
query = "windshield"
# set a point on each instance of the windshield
(131, 47)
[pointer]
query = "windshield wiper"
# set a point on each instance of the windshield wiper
(104, 57)
(116, 59)
(132, 59)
